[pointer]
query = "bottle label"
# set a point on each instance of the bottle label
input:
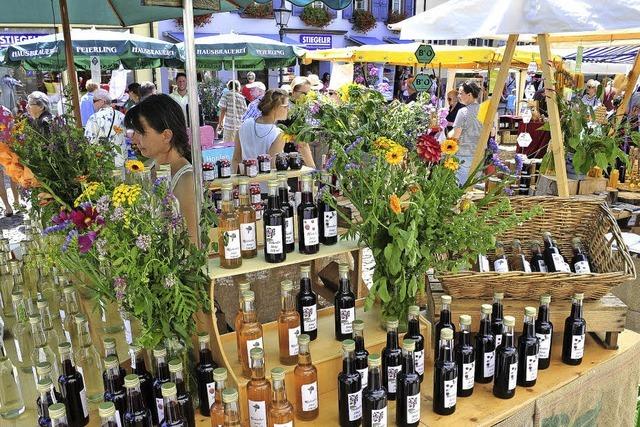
(489, 364)
(545, 345)
(248, 236)
(355, 405)
(577, 346)
(309, 396)
(257, 413)
(501, 266)
(311, 235)
(67, 335)
(513, 375)
(160, 409)
(364, 375)
(62, 315)
(211, 393)
(450, 392)
(413, 408)
(483, 263)
(257, 343)
(330, 224)
(498, 340)
(128, 335)
(418, 361)
(582, 267)
(18, 351)
(103, 312)
(559, 262)
(310, 317)
(225, 171)
(293, 340)
(532, 368)
(392, 374)
(118, 422)
(542, 266)
(468, 373)
(288, 230)
(526, 265)
(231, 241)
(347, 316)
(287, 424)
(273, 239)
(256, 198)
(379, 417)
(84, 401)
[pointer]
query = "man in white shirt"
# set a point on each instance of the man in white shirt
(106, 123)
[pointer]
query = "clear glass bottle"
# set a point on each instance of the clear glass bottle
(575, 328)
(465, 358)
(54, 336)
(217, 410)
(506, 374)
(391, 359)
(108, 415)
(71, 309)
(136, 415)
(48, 288)
(517, 261)
(306, 378)
(6, 287)
(186, 403)
(280, 410)
(11, 401)
(413, 332)
(444, 321)
(528, 349)
(229, 231)
(172, 416)
(408, 388)
(114, 386)
(485, 348)
(580, 263)
(349, 388)
(306, 303)
(72, 388)
(374, 397)
(288, 325)
(138, 367)
(242, 287)
(501, 263)
(287, 209)
(46, 396)
(258, 391)
(42, 350)
(204, 374)
(58, 415)
(537, 258)
(308, 228)
(361, 354)
(16, 274)
(274, 227)
(21, 332)
(247, 216)
(445, 376)
(231, 408)
(250, 333)
(88, 361)
(544, 332)
(496, 317)
(344, 305)
(30, 276)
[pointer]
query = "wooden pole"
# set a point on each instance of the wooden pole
(632, 78)
(557, 142)
(494, 101)
(71, 67)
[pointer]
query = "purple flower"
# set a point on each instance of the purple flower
(373, 71)
(158, 182)
(85, 242)
(492, 145)
(314, 108)
(350, 166)
(519, 161)
(56, 228)
(329, 163)
(143, 242)
(102, 205)
(359, 79)
(495, 159)
(170, 281)
(117, 214)
(353, 145)
(67, 241)
(120, 286)
(176, 221)
(508, 191)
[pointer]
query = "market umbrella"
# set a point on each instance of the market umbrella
(113, 48)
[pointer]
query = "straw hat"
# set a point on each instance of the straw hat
(315, 82)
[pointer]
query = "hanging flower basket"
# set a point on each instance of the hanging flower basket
(363, 21)
(258, 11)
(198, 21)
(395, 17)
(315, 16)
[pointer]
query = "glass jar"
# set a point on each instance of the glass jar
(282, 161)
(250, 167)
(256, 195)
(264, 163)
(295, 161)
(224, 168)
(236, 198)
(259, 208)
(209, 171)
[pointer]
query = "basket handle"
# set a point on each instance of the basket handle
(617, 236)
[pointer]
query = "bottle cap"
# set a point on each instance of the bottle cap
(499, 245)
(16, 296)
(68, 290)
(80, 319)
(446, 299)
(516, 242)
(375, 359)
(545, 299)
(111, 362)
(168, 389)
(203, 337)
(175, 365)
(226, 186)
(44, 384)
(414, 310)
(243, 181)
(248, 296)
(34, 319)
(57, 410)
(536, 243)
(358, 325)
(546, 234)
(486, 309)
(273, 183)
(446, 334)
(409, 344)
(576, 241)
(42, 303)
(348, 345)
(465, 319)
(277, 374)
(305, 269)
(220, 374)
(132, 380)
(159, 351)
(43, 368)
(498, 295)
(392, 323)
(135, 348)
(230, 394)
(343, 268)
(509, 321)
(64, 346)
(256, 353)
(109, 343)
(243, 287)
(530, 311)
(578, 296)
(106, 409)
(304, 339)
(286, 285)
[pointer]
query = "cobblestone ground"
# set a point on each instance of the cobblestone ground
(11, 226)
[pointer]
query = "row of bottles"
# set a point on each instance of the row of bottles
(542, 260)
(496, 357)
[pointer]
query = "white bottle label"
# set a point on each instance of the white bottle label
(498, 340)
(231, 241)
(288, 230)
(527, 265)
(542, 266)
(392, 374)
(256, 198)
(103, 312)
(84, 401)
(483, 263)
(566, 268)
(489, 364)
(128, 335)
(513, 375)
(211, 393)
(62, 315)
(582, 267)
(577, 346)
(450, 392)
(413, 408)
(293, 340)
(273, 239)
(310, 231)
(248, 236)
(468, 375)
(257, 343)
(347, 316)
(501, 265)
(67, 335)
(355, 405)
(309, 396)
(545, 345)
(287, 424)
(160, 409)
(418, 361)
(364, 375)
(532, 368)
(310, 318)
(257, 413)
(379, 417)
(18, 351)
(558, 261)
(330, 224)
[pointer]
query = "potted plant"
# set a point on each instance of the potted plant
(396, 17)
(258, 11)
(198, 20)
(315, 16)
(363, 21)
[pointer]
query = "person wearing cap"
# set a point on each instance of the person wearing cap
(232, 107)
(590, 97)
(86, 102)
(106, 123)
(247, 89)
(253, 112)
(315, 82)
(39, 111)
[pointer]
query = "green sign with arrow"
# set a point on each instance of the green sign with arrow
(425, 54)
(422, 82)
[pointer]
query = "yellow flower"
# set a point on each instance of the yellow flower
(451, 164)
(449, 147)
(395, 155)
(134, 166)
(125, 194)
(345, 90)
(383, 143)
(90, 190)
(287, 137)
(394, 204)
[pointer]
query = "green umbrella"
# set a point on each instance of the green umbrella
(114, 48)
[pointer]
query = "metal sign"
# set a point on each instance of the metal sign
(7, 39)
(425, 54)
(96, 72)
(197, 4)
(316, 41)
(422, 82)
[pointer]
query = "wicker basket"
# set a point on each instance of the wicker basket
(565, 218)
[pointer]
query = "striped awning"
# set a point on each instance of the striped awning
(610, 54)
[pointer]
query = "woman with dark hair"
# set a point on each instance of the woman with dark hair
(467, 128)
(160, 133)
(134, 95)
(326, 79)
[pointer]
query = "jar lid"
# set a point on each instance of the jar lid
(106, 409)
(220, 374)
(168, 389)
(57, 410)
(229, 395)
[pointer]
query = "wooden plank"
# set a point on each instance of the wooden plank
(595, 37)
(632, 78)
(590, 185)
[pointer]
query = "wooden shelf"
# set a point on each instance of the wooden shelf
(261, 177)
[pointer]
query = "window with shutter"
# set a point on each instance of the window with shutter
(361, 4)
(396, 6)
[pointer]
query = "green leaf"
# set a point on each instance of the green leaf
(579, 158)
(601, 160)
(559, 420)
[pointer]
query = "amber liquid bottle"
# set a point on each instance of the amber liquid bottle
(344, 306)
(528, 348)
(465, 358)
(281, 410)
(242, 287)
(306, 378)
(308, 228)
(391, 359)
(231, 408)
(204, 375)
(518, 262)
(161, 376)
(408, 398)
(137, 415)
(413, 332)
(250, 333)
(544, 332)
(328, 217)
(485, 348)
(575, 328)
(361, 354)
(73, 389)
(374, 397)
(287, 210)
(506, 375)
(445, 376)
(306, 303)
(114, 386)
(537, 258)
(172, 413)
(258, 391)
(349, 388)
(501, 263)
(443, 322)
(288, 325)
(217, 410)
(496, 317)
(247, 217)
(274, 226)
(229, 231)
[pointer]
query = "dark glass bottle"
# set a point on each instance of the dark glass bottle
(580, 263)
(506, 375)
(544, 332)
(172, 412)
(161, 376)
(72, 389)
(349, 388)
(345, 305)
(374, 397)
(108, 415)
(552, 256)
(47, 396)
(445, 376)
(204, 375)
(109, 345)
(361, 353)
(308, 228)
(575, 328)
(114, 386)
(517, 261)
(465, 358)
(274, 226)
(501, 263)
(537, 259)
(306, 303)
(528, 348)
(443, 322)
(139, 368)
(137, 415)
(287, 210)
(413, 332)
(328, 216)
(496, 317)
(408, 388)
(184, 399)
(485, 347)
(391, 359)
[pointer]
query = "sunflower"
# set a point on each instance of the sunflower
(395, 155)
(287, 137)
(394, 204)
(449, 147)
(134, 166)
(451, 164)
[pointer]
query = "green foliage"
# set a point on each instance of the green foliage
(395, 17)
(210, 92)
(315, 16)
(257, 10)
(363, 21)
